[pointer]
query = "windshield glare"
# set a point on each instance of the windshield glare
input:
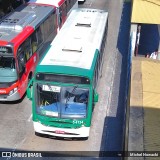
(7, 69)
(62, 102)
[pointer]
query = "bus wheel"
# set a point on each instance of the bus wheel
(84, 138)
(29, 77)
(38, 134)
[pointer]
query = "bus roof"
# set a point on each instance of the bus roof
(55, 3)
(75, 45)
(25, 15)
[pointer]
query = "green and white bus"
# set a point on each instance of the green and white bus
(63, 89)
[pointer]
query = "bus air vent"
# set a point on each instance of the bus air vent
(73, 45)
(18, 23)
(84, 22)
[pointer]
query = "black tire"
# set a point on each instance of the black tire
(38, 134)
(29, 77)
(84, 138)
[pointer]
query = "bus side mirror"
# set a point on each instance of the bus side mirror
(96, 96)
(30, 89)
(21, 59)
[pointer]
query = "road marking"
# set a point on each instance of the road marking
(18, 145)
(15, 147)
(29, 119)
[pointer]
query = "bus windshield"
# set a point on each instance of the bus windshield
(62, 102)
(7, 69)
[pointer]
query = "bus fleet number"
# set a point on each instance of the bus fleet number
(77, 122)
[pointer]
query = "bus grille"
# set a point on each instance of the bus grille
(60, 122)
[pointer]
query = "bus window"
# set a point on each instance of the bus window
(64, 102)
(95, 78)
(49, 26)
(39, 35)
(62, 13)
(27, 49)
(67, 5)
(21, 63)
(7, 67)
(45, 28)
(24, 53)
(60, 18)
(34, 42)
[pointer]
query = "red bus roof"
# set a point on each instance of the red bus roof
(56, 3)
(22, 21)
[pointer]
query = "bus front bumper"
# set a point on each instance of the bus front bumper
(82, 132)
(5, 97)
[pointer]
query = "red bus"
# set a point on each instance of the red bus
(24, 35)
(63, 8)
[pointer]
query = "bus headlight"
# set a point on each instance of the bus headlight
(12, 91)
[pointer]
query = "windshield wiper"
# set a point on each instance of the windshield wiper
(69, 96)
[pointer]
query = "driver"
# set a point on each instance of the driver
(82, 98)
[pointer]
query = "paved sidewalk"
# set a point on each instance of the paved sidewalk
(144, 121)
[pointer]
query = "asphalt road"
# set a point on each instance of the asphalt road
(107, 130)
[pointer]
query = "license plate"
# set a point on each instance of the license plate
(59, 132)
